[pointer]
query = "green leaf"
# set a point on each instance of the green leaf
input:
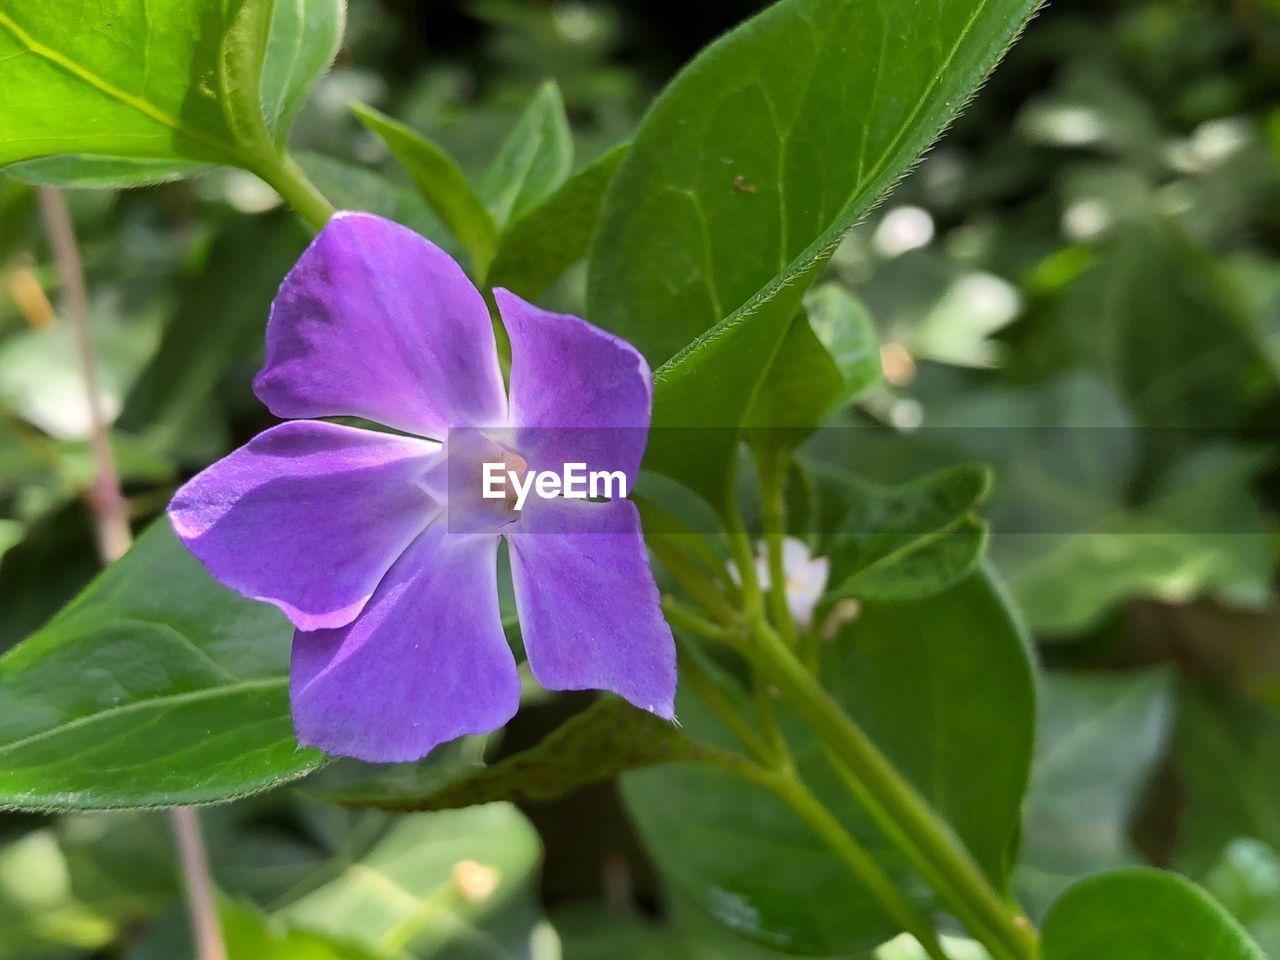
(418, 892)
(441, 182)
(1142, 915)
(162, 89)
(1181, 349)
(539, 246)
(944, 687)
(894, 543)
(801, 386)
(843, 325)
(1066, 455)
(532, 162)
(250, 933)
(1229, 763)
(828, 358)
(746, 173)
(102, 173)
(80, 882)
(216, 327)
(352, 187)
(305, 37)
(1202, 532)
(154, 687)
(1247, 882)
(1100, 738)
(600, 742)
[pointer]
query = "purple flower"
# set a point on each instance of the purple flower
(354, 535)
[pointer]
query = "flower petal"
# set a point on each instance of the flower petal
(588, 604)
(375, 321)
(424, 663)
(578, 394)
(308, 516)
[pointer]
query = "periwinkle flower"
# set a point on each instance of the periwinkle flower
(383, 560)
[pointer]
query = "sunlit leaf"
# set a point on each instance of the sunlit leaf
(746, 173)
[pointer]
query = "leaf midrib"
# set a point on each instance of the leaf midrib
(137, 706)
(143, 106)
(823, 242)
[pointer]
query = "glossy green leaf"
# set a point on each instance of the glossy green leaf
(453, 885)
(1101, 736)
(894, 543)
(304, 39)
(944, 687)
(155, 687)
(539, 246)
(533, 161)
(102, 173)
(441, 182)
(1142, 915)
(746, 173)
(600, 742)
(161, 89)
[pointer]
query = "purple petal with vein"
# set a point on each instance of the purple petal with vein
(308, 516)
(375, 321)
(589, 608)
(426, 662)
(566, 374)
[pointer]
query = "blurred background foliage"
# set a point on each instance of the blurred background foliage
(1090, 256)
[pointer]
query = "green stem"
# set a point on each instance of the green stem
(927, 870)
(895, 805)
(860, 863)
(773, 472)
(753, 609)
(710, 691)
(810, 647)
(778, 775)
(690, 575)
(681, 616)
(284, 176)
(744, 559)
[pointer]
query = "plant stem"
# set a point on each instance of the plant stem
(860, 863)
(681, 616)
(773, 471)
(111, 527)
(709, 690)
(901, 812)
(199, 884)
(779, 776)
(110, 512)
(284, 176)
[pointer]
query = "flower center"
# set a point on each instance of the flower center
(518, 467)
